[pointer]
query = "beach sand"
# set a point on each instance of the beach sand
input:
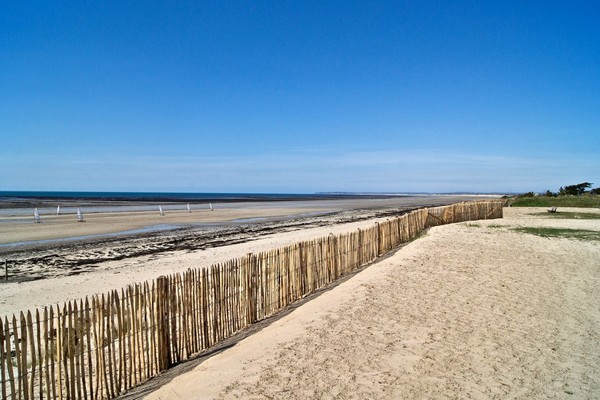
(470, 310)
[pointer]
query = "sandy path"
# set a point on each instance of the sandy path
(472, 310)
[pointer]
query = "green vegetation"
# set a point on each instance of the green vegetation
(574, 190)
(568, 215)
(492, 226)
(580, 234)
(585, 201)
(569, 196)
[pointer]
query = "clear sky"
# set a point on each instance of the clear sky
(299, 96)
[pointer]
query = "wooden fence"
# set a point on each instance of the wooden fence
(99, 347)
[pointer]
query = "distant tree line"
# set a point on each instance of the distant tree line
(574, 190)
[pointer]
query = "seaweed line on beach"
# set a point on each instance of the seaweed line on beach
(50, 260)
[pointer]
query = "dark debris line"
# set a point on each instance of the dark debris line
(76, 257)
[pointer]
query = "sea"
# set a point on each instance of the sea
(158, 196)
(6, 196)
(15, 203)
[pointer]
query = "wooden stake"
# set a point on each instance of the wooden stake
(39, 353)
(3, 361)
(23, 372)
(89, 321)
(52, 353)
(130, 332)
(74, 344)
(124, 321)
(153, 331)
(34, 360)
(9, 362)
(98, 345)
(70, 342)
(109, 346)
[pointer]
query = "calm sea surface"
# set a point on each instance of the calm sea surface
(164, 196)
(15, 203)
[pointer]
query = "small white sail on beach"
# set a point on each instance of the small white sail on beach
(58, 210)
(160, 210)
(188, 208)
(211, 207)
(79, 216)
(36, 216)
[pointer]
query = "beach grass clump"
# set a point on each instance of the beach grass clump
(579, 234)
(491, 226)
(569, 215)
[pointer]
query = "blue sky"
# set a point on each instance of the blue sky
(299, 97)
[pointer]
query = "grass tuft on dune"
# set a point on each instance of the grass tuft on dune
(580, 234)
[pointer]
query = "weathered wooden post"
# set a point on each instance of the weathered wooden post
(378, 238)
(6, 269)
(163, 315)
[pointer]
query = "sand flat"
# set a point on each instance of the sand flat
(471, 310)
(66, 225)
(20, 227)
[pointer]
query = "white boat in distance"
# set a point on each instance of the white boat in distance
(211, 207)
(188, 208)
(58, 210)
(160, 210)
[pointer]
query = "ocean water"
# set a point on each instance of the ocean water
(22, 203)
(164, 196)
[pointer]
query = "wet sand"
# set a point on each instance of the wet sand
(17, 225)
(19, 229)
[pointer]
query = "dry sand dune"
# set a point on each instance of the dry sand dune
(471, 310)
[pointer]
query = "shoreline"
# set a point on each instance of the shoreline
(20, 200)
(21, 227)
(51, 273)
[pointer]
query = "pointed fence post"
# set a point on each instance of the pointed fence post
(163, 323)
